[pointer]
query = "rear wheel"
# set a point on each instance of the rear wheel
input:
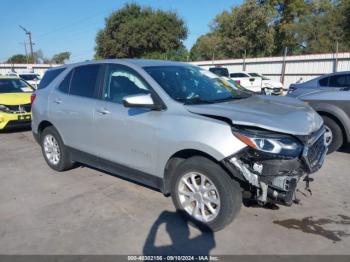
(205, 193)
(333, 135)
(55, 153)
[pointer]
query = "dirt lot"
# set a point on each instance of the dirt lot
(84, 211)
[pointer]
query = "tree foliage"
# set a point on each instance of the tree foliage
(17, 59)
(136, 32)
(267, 27)
(60, 58)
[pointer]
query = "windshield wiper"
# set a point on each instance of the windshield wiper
(195, 101)
(228, 99)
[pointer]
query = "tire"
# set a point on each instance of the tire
(336, 134)
(63, 161)
(227, 191)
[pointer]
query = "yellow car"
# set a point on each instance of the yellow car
(15, 102)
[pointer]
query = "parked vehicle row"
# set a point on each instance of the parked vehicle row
(329, 95)
(253, 81)
(31, 78)
(180, 129)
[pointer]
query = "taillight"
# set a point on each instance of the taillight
(32, 98)
(238, 81)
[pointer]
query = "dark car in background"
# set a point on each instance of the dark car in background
(334, 81)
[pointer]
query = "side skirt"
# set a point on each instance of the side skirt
(118, 170)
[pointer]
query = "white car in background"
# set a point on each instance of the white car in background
(31, 78)
(258, 83)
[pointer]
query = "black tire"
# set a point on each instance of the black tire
(337, 134)
(64, 162)
(229, 191)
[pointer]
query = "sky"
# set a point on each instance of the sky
(71, 25)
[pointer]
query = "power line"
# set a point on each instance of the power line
(73, 23)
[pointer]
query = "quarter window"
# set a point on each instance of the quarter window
(122, 81)
(84, 80)
(49, 76)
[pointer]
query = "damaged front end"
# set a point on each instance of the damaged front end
(273, 164)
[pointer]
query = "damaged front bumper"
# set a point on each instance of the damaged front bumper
(274, 178)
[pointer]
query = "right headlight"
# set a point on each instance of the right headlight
(283, 145)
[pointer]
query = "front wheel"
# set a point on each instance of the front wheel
(205, 193)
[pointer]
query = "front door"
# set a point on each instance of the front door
(125, 136)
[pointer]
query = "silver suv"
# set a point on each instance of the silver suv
(180, 129)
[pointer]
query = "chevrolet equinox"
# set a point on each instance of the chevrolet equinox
(180, 129)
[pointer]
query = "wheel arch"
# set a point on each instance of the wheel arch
(177, 158)
(337, 119)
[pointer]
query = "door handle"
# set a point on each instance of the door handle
(57, 101)
(103, 111)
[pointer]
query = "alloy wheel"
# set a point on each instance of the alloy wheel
(199, 196)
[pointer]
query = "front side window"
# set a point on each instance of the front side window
(189, 84)
(122, 81)
(84, 81)
(14, 85)
(324, 82)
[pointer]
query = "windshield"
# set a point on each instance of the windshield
(8, 85)
(193, 85)
(29, 77)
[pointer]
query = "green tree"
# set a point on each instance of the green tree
(246, 28)
(60, 58)
(285, 15)
(136, 32)
(207, 47)
(17, 59)
(322, 27)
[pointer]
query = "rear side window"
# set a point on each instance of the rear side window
(64, 86)
(49, 76)
(84, 81)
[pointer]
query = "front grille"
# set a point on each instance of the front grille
(19, 109)
(315, 152)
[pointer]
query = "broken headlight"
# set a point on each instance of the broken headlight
(274, 144)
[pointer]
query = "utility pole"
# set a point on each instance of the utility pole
(30, 41)
(284, 65)
(244, 57)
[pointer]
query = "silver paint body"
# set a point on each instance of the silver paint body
(331, 102)
(145, 139)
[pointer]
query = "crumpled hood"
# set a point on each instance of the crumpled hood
(280, 114)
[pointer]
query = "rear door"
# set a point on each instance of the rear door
(71, 106)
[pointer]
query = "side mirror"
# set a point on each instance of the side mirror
(140, 101)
